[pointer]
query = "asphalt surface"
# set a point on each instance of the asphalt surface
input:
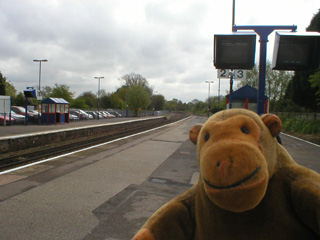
(109, 192)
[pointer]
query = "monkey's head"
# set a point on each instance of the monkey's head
(237, 153)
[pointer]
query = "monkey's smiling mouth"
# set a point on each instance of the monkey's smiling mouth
(235, 184)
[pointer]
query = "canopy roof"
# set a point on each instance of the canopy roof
(55, 100)
(245, 92)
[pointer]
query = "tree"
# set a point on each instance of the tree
(19, 100)
(134, 87)
(62, 91)
(79, 103)
(10, 89)
(134, 79)
(300, 90)
(158, 102)
(315, 83)
(276, 81)
(105, 101)
(90, 99)
(252, 78)
(118, 98)
(46, 92)
(2, 85)
(314, 79)
(138, 98)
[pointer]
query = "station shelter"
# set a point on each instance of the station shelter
(55, 110)
(246, 97)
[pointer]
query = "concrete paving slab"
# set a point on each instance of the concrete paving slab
(121, 216)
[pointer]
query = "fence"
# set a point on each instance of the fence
(141, 113)
(300, 115)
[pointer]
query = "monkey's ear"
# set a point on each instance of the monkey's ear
(194, 132)
(273, 122)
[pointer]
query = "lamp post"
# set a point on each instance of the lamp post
(98, 96)
(39, 97)
(127, 106)
(209, 97)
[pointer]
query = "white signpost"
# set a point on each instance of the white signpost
(238, 74)
(5, 107)
(232, 75)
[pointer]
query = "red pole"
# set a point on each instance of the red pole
(266, 105)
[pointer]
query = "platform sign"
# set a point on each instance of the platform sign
(5, 104)
(238, 74)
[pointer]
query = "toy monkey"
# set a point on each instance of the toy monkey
(249, 186)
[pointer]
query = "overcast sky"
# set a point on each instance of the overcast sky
(169, 42)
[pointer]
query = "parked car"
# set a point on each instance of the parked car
(101, 116)
(7, 119)
(116, 114)
(35, 112)
(80, 113)
(18, 119)
(109, 115)
(92, 114)
(73, 117)
(32, 117)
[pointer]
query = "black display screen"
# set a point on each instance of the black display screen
(234, 51)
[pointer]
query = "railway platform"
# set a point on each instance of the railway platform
(14, 130)
(108, 192)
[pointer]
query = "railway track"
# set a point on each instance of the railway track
(38, 153)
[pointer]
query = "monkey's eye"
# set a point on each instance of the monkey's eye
(245, 130)
(206, 137)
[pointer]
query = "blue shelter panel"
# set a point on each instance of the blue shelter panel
(45, 118)
(52, 119)
(62, 118)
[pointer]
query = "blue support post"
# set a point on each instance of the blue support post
(262, 75)
(26, 113)
(263, 32)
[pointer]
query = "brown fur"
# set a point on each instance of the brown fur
(249, 186)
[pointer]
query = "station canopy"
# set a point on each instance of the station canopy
(245, 92)
(55, 100)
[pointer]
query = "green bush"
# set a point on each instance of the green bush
(303, 126)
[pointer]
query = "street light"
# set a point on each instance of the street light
(98, 96)
(209, 97)
(39, 97)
